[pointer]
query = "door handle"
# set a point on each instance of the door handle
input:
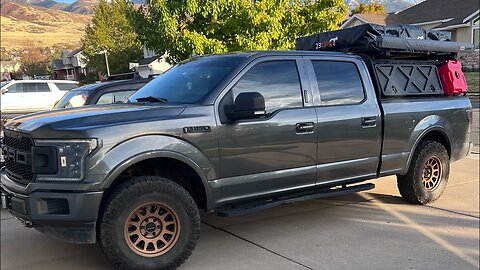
(369, 122)
(305, 128)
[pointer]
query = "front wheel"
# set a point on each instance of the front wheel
(427, 176)
(149, 223)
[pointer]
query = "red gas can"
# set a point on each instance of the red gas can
(453, 79)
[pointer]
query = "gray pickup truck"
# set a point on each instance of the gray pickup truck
(231, 133)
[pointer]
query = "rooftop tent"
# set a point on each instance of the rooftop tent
(385, 41)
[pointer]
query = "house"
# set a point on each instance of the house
(151, 64)
(7, 68)
(460, 17)
(71, 65)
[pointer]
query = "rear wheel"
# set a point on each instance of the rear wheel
(149, 223)
(428, 174)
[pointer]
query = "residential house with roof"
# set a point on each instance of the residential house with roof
(460, 17)
(71, 65)
(151, 64)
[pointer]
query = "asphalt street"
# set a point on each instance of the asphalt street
(370, 230)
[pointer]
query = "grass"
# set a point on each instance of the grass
(473, 81)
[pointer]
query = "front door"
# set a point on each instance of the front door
(277, 152)
(349, 131)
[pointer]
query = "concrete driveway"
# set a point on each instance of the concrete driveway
(369, 230)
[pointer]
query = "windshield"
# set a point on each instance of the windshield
(188, 82)
(71, 99)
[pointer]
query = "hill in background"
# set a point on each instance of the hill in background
(88, 6)
(390, 5)
(25, 26)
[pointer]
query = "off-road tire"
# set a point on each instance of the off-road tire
(132, 195)
(411, 186)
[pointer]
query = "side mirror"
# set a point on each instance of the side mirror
(4, 91)
(247, 105)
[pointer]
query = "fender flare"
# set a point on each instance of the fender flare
(137, 149)
(436, 128)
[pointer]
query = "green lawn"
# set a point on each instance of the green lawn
(473, 81)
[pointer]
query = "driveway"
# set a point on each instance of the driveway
(369, 230)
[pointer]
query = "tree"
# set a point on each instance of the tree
(374, 8)
(112, 31)
(181, 28)
(36, 61)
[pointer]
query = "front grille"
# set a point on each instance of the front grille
(15, 143)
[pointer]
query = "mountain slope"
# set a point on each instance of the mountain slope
(26, 26)
(390, 5)
(42, 3)
(82, 6)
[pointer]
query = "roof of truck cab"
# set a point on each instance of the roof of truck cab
(274, 52)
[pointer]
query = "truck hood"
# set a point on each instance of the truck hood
(89, 117)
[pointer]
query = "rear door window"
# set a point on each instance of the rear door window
(339, 82)
(35, 87)
(66, 86)
(277, 81)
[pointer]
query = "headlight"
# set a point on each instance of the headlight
(61, 160)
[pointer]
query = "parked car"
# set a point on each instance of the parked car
(101, 93)
(27, 96)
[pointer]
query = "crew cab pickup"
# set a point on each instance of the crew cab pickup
(230, 133)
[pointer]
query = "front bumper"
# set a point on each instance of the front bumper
(69, 216)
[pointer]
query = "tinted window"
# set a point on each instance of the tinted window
(115, 97)
(15, 88)
(277, 81)
(190, 81)
(66, 86)
(339, 82)
(35, 87)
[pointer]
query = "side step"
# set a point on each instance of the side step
(250, 208)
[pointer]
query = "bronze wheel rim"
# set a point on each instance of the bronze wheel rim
(152, 229)
(432, 173)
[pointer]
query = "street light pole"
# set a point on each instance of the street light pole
(106, 63)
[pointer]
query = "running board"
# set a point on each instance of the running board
(250, 208)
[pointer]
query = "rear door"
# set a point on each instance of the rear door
(348, 117)
(277, 152)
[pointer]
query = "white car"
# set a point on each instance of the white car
(27, 96)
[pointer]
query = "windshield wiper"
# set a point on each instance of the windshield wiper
(152, 99)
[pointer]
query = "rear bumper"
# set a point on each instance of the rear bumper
(69, 216)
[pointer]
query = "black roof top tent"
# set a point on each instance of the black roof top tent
(396, 41)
